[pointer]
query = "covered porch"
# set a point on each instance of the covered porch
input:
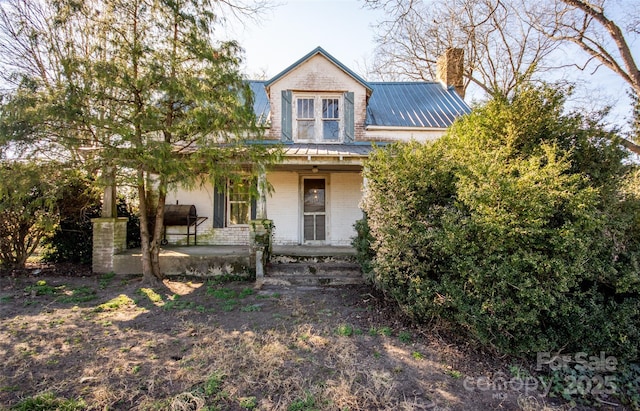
(289, 264)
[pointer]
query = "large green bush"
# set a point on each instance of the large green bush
(28, 194)
(521, 226)
(79, 201)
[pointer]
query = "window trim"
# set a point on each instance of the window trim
(229, 202)
(318, 119)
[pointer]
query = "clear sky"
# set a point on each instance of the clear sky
(289, 31)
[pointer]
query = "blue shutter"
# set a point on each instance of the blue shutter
(219, 206)
(254, 206)
(287, 117)
(349, 122)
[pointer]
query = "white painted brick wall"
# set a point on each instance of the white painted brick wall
(345, 195)
(283, 206)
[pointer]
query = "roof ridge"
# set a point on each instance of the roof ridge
(319, 50)
(405, 82)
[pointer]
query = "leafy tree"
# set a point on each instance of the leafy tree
(28, 194)
(519, 226)
(148, 91)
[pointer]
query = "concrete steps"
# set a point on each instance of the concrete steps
(313, 267)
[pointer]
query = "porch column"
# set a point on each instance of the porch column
(109, 208)
(109, 238)
(261, 201)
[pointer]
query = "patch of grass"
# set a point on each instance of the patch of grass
(222, 293)
(105, 279)
(78, 295)
(135, 369)
(248, 403)
(308, 403)
(386, 331)
(405, 337)
(6, 299)
(42, 288)
(417, 355)
(213, 384)
(247, 292)
(251, 308)
(267, 296)
(56, 323)
(176, 303)
(229, 305)
(455, 374)
(115, 303)
(48, 401)
(153, 296)
(347, 330)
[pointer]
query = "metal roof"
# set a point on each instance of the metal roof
(261, 106)
(404, 104)
(326, 150)
(414, 104)
(319, 50)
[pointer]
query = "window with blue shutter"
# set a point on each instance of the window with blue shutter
(349, 122)
(233, 204)
(287, 118)
(219, 206)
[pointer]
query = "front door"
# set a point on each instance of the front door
(314, 212)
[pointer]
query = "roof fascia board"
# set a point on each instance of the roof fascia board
(319, 50)
(404, 128)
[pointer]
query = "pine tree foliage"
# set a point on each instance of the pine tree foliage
(141, 86)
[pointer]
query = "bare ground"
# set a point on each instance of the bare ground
(112, 344)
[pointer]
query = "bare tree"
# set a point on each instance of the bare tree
(588, 25)
(501, 48)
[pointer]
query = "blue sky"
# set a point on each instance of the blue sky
(294, 28)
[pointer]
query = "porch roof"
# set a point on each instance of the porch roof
(327, 150)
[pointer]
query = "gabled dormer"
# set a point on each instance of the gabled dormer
(318, 100)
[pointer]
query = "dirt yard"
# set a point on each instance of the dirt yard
(108, 343)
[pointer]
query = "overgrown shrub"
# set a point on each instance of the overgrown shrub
(78, 202)
(520, 226)
(133, 223)
(28, 194)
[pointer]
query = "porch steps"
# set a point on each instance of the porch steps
(313, 266)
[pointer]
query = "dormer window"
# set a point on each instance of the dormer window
(318, 118)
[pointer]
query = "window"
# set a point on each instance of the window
(238, 203)
(306, 119)
(318, 118)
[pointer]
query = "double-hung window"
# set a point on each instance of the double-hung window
(318, 118)
(238, 203)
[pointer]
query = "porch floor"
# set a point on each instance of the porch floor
(206, 260)
(240, 250)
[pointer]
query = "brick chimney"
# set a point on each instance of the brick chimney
(449, 69)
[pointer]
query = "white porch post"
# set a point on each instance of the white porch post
(109, 209)
(261, 202)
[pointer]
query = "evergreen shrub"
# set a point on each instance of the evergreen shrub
(520, 226)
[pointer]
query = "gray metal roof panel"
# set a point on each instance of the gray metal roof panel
(326, 150)
(414, 104)
(261, 106)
